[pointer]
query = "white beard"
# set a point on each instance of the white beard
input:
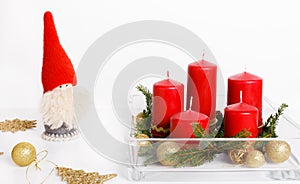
(57, 108)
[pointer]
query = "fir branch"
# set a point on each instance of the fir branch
(198, 156)
(148, 97)
(219, 132)
(190, 157)
(144, 125)
(269, 127)
(199, 131)
(242, 134)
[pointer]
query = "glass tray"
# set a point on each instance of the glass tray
(221, 168)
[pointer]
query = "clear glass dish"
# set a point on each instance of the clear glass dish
(221, 167)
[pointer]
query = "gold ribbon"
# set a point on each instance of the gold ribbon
(160, 129)
(36, 165)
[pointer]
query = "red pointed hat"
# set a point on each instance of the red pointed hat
(57, 67)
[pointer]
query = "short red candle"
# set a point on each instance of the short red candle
(201, 85)
(251, 86)
(167, 100)
(239, 117)
(181, 124)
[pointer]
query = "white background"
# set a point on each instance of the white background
(263, 36)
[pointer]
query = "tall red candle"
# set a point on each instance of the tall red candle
(201, 84)
(181, 123)
(251, 86)
(167, 100)
(239, 117)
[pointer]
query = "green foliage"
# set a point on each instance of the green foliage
(143, 126)
(199, 156)
(199, 131)
(269, 127)
(242, 134)
(148, 97)
(219, 131)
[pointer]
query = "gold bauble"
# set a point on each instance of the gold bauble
(165, 150)
(237, 156)
(142, 136)
(255, 158)
(278, 151)
(23, 154)
(140, 117)
(144, 146)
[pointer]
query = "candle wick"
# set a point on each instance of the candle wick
(168, 74)
(203, 54)
(241, 96)
(191, 103)
(245, 69)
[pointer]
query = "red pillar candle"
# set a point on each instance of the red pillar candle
(181, 124)
(201, 85)
(167, 101)
(251, 86)
(240, 116)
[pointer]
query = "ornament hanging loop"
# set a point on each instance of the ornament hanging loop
(36, 165)
(37, 161)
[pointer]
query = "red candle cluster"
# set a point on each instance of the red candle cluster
(242, 112)
(168, 100)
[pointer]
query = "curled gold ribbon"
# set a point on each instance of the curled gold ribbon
(36, 165)
(160, 129)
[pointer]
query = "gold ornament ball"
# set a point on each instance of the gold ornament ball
(255, 158)
(139, 117)
(238, 156)
(278, 151)
(144, 146)
(23, 154)
(142, 136)
(166, 149)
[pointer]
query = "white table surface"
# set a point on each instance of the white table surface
(75, 154)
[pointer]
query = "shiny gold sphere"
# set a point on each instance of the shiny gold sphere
(23, 154)
(166, 149)
(278, 151)
(237, 156)
(142, 136)
(139, 117)
(144, 146)
(254, 159)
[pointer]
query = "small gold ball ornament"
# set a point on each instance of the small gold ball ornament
(23, 154)
(139, 117)
(144, 146)
(238, 156)
(166, 149)
(278, 151)
(254, 159)
(142, 136)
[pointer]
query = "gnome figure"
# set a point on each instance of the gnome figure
(58, 78)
